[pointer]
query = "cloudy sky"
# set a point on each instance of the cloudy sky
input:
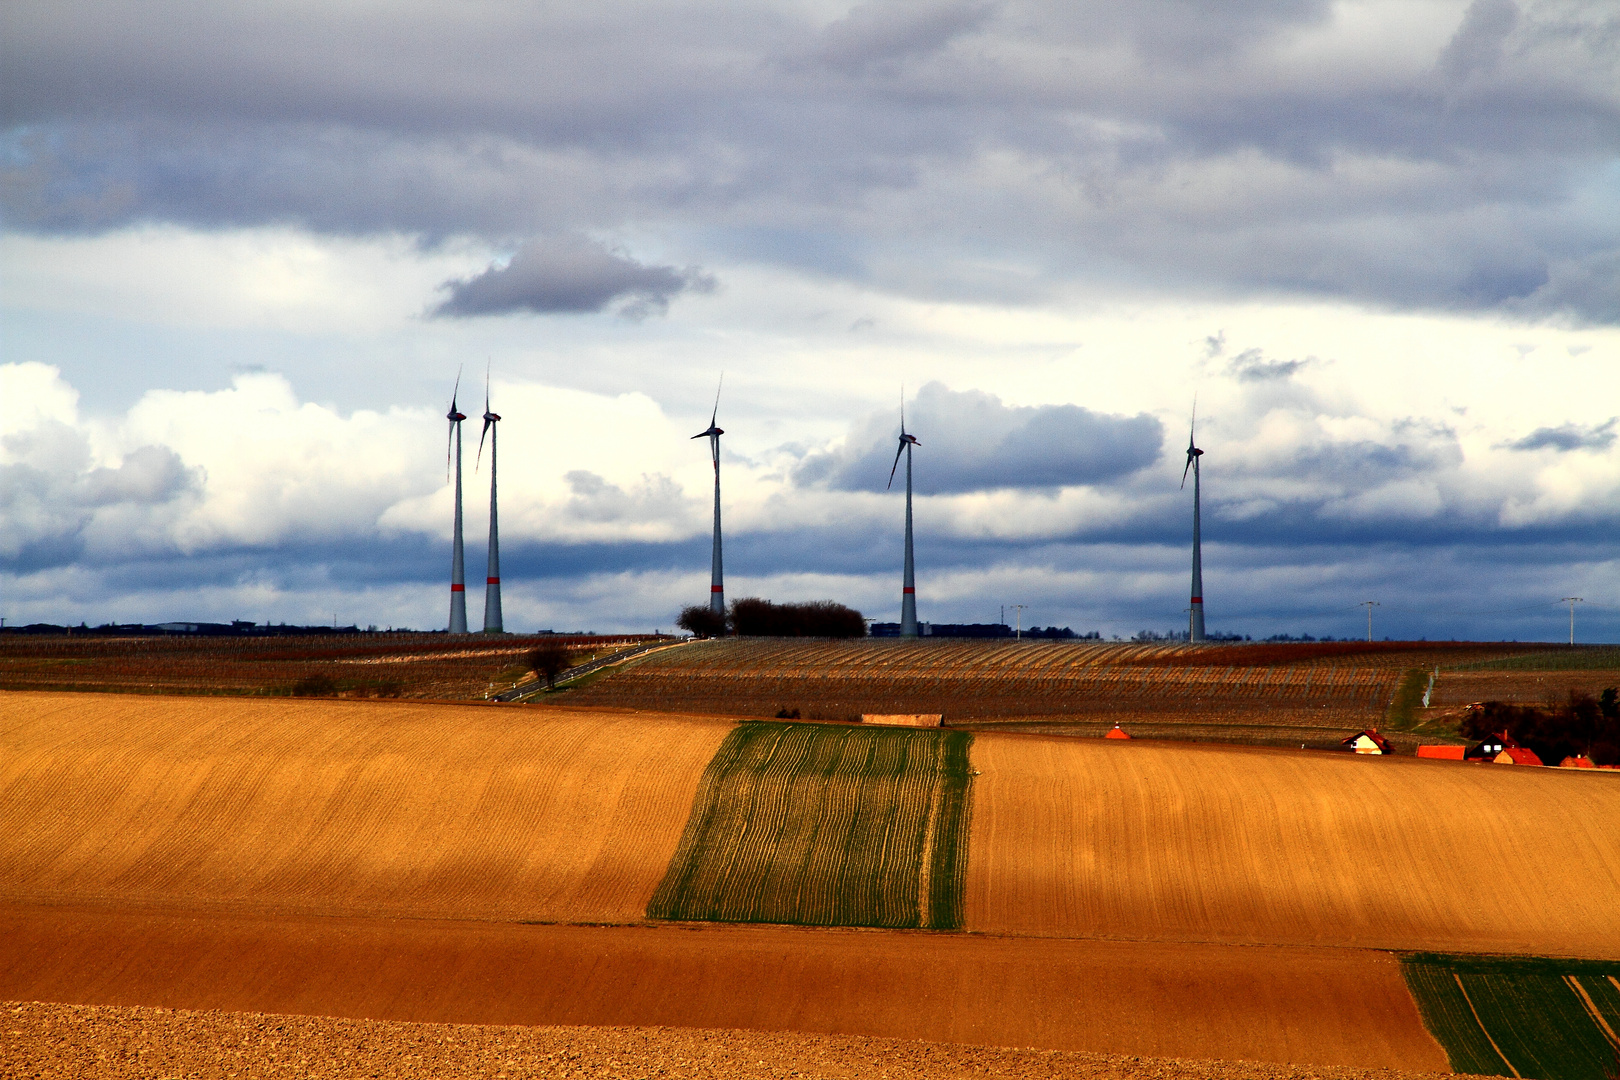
(246, 248)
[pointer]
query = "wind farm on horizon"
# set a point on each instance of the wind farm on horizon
(907, 443)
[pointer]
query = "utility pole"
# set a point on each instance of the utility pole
(1018, 634)
(1572, 601)
(1369, 605)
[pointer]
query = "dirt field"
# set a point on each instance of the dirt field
(1321, 687)
(1078, 837)
(408, 665)
(1323, 1006)
(68, 1042)
(343, 807)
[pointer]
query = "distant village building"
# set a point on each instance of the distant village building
(1117, 732)
(1442, 752)
(1577, 761)
(1516, 755)
(1490, 748)
(1367, 742)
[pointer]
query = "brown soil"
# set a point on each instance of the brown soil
(330, 807)
(1134, 839)
(1340, 684)
(1322, 1006)
(410, 665)
(1523, 687)
(70, 1042)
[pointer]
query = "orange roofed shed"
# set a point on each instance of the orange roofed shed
(1117, 732)
(1516, 755)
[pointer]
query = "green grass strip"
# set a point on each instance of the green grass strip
(826, 825)
(1580, 658)
(1506, 1015)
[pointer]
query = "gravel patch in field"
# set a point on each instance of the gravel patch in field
(40, 1041)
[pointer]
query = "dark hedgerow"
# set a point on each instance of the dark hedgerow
(702, 621)
(753, 617)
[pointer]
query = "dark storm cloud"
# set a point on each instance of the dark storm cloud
(970, 441)
(573, 275)
(1245, 147)
(1567, 437)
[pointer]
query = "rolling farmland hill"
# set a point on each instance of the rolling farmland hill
(1257, 693)
(342, 808)
(503, 864)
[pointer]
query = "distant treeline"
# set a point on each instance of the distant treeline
(1581, 725)
(238, 628)
(753, 617)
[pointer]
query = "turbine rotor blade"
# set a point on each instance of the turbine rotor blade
(713, 416)
(488, 423)
(896, 464)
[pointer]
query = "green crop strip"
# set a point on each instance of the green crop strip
(1580, 658)
(1539, 1017)
(825, 825)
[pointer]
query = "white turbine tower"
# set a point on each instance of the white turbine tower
(492, 582)
(1195, 624)
(717, 576)
(908, 589)
(458, 575)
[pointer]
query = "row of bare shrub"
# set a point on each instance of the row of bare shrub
(753, 617)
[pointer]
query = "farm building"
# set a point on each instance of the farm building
(1516, 755)
(1117, 732)
(1487, 750)
(1443, 753)
(1366, 742)
(1577, 761)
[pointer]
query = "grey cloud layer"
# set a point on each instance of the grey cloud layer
(970, 441)
(569, 274)
(1173, 144)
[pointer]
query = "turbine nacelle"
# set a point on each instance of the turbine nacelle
(712, 432)
(906, 441)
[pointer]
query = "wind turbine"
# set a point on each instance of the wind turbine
(908, 591)
(492, 583)
(458, 576)
(717, 575)
(1195, 628)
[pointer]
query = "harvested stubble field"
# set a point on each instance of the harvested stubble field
(1284, 693)
(825, 825)
(396, 860)
(407, 665)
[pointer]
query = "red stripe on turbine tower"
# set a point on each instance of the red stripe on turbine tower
(458, 588)
(1198, 599)
(492, 581)
(909, 589)
(716, 588)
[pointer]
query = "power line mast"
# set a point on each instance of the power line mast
(1369, 605)
(1018, 634)
(1572, 601)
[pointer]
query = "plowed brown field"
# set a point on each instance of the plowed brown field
(1077, 837)
(343, 807)
(1322, 1006)
(1294, 686)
